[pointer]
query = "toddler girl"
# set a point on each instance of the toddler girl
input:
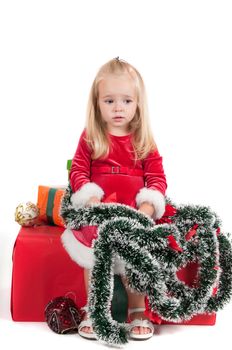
(116, 159)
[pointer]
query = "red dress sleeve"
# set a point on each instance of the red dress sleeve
(155, 184)
(154, 175)
(80, 169)
(80, 178)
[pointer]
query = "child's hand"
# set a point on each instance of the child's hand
(147, 208)
(93, 200)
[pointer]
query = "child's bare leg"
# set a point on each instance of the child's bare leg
(136, 300)
(86, 279)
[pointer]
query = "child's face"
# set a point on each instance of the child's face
(117, 102)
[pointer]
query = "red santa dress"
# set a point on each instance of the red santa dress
(115, 178)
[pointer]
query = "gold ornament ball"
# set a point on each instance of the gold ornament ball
(26, 214)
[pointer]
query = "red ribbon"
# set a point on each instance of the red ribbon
(173, 243)
(169, 212)
(112, 198)
(216, 268)
(153, 317)
(214, 292)
(191, 232)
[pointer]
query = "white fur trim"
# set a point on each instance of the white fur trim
(82, 196)
(154, 197)
(78, 252)
(83, 255)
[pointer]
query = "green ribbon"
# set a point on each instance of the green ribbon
(50, 205)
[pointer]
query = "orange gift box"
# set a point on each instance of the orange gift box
(49, 201)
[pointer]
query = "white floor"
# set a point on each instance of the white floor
(34, 336)
(38, 336)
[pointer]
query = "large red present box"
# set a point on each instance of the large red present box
(42, 270)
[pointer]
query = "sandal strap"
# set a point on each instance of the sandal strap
(141, 323)
(85, 323)
(137, 309)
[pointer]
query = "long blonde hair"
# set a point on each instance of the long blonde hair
(96, 132)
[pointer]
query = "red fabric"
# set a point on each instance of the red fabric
(111, 199)
(42, 271)
(86, 234)
(121, 154)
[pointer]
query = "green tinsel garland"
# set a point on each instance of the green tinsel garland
(151, 263)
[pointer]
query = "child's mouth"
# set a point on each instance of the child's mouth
(118, 118)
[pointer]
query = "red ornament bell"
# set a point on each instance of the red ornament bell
(62, 315)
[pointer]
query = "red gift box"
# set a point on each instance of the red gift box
(42, 270)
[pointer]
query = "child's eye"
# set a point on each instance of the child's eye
(111, 101)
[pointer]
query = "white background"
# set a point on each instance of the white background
(50, 53)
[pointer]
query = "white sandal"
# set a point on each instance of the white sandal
(139, 323)
(86, 323)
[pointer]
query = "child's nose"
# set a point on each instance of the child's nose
(118, 106)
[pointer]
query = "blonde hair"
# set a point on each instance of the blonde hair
(96, 132)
